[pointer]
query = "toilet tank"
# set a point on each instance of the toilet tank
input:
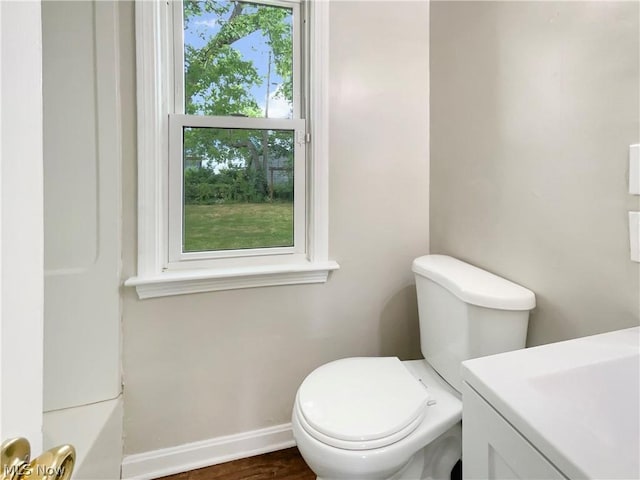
(466, 312)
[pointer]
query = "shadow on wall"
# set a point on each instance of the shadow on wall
(399, 327)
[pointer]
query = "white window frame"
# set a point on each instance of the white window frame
(177, 258)
(162, 271)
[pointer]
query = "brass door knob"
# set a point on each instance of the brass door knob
(54, 464)
(14, 455)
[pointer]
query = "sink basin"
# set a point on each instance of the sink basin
(577, 402)
(605, 397)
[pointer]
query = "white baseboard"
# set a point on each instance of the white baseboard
(168, 461)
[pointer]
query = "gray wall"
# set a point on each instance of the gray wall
(207, 365)
(533, 106)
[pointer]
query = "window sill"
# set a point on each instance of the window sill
(197, 281)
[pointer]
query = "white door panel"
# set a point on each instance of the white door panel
(21, 239)
(82, 204)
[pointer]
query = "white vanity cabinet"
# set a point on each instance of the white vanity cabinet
(566, 410)
(493, 449)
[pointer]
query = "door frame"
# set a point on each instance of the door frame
(21, 222)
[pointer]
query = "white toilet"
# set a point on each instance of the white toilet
(376, 418)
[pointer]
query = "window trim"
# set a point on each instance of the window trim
(154, 68)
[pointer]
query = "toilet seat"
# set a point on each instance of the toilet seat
(361, 403)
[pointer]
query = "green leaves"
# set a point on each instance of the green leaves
(230, 185)
(237, 165)
(218, 79)
(219, 86)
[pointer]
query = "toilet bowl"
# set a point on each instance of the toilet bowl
(398, 438)
(378, 418)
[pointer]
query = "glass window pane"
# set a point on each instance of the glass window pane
(238, 188)
(238, 59)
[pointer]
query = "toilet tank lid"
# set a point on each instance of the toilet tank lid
(474, 285)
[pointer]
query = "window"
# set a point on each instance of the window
(232, 145)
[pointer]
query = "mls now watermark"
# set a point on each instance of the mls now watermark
(23, 471)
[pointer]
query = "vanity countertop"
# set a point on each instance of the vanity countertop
(577, 402)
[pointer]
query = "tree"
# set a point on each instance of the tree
(221, 81)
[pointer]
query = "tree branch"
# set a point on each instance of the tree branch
(230, 32)
(252, 149)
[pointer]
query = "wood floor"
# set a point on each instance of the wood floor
(281, 465)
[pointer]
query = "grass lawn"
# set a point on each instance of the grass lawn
(237, 225)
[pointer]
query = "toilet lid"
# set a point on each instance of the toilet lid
(362, 400)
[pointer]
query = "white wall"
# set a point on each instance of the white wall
(533, 107)
(206, 365)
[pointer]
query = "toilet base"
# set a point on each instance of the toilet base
(433, 462)
(436, 460)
